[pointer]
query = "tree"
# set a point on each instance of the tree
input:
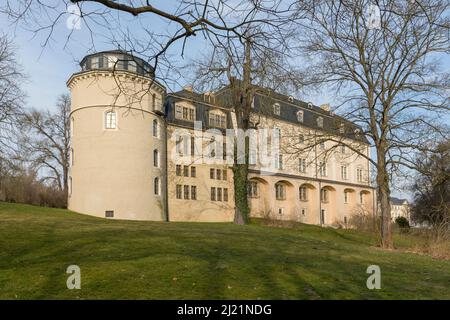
(11, 99)
(386, 76)
(46, 141)
(432, 190)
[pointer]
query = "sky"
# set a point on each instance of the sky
(49, 65)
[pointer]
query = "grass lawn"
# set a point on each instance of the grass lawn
(156, 260)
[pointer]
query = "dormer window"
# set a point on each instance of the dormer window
(300, 116)
(310, 105)
(217, 119)
(320, 122)
(342, 128)
(276, 109)
(184, 112)
(291, 99)
(112, 61)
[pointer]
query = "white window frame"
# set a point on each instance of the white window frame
(276, 109)
(320, 122)
(300, 116)
(156, 134)
(344, 171)
(108, 123)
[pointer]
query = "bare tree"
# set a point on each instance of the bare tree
(432, 190)
(11, 98)
(383, 63)
(46, 142)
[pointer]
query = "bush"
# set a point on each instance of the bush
(402, 222)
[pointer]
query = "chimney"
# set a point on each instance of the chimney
(188, 88)
(325, 107)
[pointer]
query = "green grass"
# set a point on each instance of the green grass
(155, 260)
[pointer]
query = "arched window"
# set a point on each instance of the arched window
(303, 193)
(110, 120)
(346, 196)
(280, 191)
(253, 189)
(156, 186)
(71, 157)
(156, 158)
(361, 197)
(324, 195)
(155, 129)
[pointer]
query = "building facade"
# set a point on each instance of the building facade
(399, 208)
(139, 153)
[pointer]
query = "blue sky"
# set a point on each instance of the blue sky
(49, 67)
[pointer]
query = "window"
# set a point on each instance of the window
(345, 196)
(218, 174)
(252, 189)
(276, 109)
(280, 211)
(342, 128)
(303, 193)
(219, 194)
(186, 113)
(71, 156)
(302, 165)
(301, 139)
(217, 119)
(186, 171)
(225, 194)
(193, 193)
(344, 172)
(153, 102)
(279, 161)
(110, 120)
(324, 195)
(361, 197)
(178, 170)
(193, 172)
(70, 186)
(224, 174)
(322, 145)
(186, 192)
(156, 158)
(109, 214)
(155, 128)
(303, 211)
(323, 169)
(178, 191)
(280, 191)
(359, 174)
(320, 122)
(213, 194)
(343, 148)
(212, 173)
(112, 61)
(95, 62)
(72, 122)
(156, 186)
(300, 116)
(179, 141)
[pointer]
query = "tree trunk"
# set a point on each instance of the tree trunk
(242, 96)
(240, 172)
(384, 195)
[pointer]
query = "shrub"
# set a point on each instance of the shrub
(402, 222)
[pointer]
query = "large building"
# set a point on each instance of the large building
(140, 153)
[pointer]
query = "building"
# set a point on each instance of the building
(399, 208)
(140, 153)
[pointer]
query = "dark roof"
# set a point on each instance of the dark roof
(397, 201)
(289, 106)
(202, 106)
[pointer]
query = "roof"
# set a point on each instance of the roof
(398, 201)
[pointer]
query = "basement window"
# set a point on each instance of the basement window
(109, 213)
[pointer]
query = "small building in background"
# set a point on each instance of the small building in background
(400, 208)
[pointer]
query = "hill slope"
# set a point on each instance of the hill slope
(154, 260)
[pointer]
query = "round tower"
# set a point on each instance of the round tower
(117, 139)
